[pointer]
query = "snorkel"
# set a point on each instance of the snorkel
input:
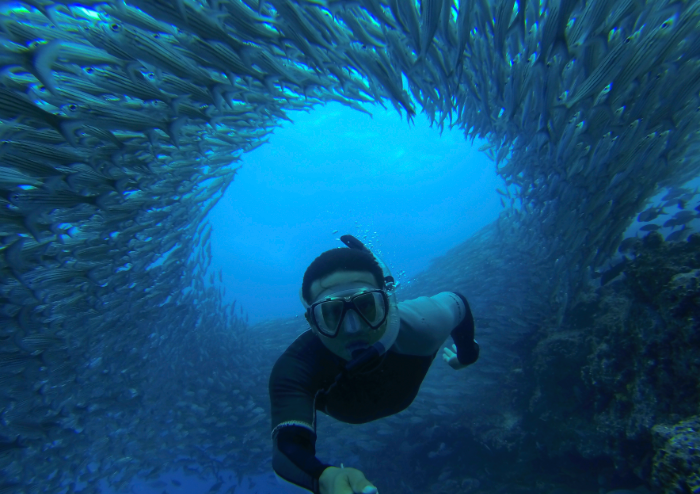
(364, 356)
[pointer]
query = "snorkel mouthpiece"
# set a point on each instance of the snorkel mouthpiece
(362, 357)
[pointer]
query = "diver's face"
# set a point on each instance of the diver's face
(354, 333)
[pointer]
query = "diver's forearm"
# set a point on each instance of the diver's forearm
(294, 458)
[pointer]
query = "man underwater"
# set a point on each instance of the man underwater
(364, 358)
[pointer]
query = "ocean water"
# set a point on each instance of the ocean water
(409, 192)
(137, 332)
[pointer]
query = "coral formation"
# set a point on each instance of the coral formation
(626, 358)
(677, 458)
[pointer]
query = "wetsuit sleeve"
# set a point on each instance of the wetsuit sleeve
(294, 458)
(294, 384)
(463, 336)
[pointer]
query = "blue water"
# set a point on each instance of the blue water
(338, 169)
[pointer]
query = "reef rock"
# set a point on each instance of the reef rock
(677, 457)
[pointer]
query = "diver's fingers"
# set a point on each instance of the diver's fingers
(447, 354)
(360, 484)
(454, 347)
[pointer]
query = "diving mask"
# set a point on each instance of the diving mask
(328, 314)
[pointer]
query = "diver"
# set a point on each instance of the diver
(363, 359)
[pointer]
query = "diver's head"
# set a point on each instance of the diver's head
(346, 300)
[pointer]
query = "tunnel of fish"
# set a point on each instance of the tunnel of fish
(122, 125)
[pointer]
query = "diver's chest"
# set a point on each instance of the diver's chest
(387, 390)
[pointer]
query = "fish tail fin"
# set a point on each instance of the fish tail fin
(120, 185)
(67, 128)
(43, 58)
(175, 103)
(269, 82)
(215, 92)
(173, 130)
(32, 225)
(101, 201)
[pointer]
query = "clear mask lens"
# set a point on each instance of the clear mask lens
(369, 306)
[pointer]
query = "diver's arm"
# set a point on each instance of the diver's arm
(463, 336)
(294, 458)
(295, 381)
(426, 322)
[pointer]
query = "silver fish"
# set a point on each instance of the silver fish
(606, 72)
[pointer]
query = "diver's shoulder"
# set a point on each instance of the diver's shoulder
(299, 353)
(307, 349)
(426, 322)
(306, 359)
(438, 301)
(304, 338)
(304, 343)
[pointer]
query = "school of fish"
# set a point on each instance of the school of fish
(122, 124)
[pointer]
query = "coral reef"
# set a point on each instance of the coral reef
(638, 340)
(625, 358)
(677, 459)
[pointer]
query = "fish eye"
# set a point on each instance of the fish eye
(151, 75)
(89, 70)
(72, 107)
(115, 27)
(156, 36)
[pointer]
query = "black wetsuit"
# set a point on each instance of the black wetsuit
(309, 377)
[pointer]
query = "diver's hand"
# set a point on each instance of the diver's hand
(335, 480)
(450, 357)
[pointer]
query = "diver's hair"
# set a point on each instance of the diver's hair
(340, 259)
